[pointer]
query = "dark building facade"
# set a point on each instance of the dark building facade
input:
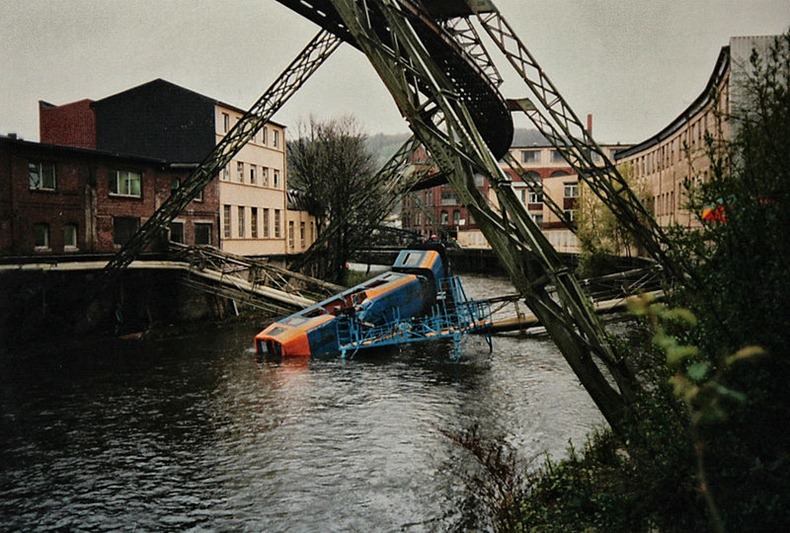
(57, 200)
(159, 120)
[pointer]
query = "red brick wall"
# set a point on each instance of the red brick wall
(82, 198)
(68, 125)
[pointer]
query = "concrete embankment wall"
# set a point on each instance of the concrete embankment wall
(44, 305)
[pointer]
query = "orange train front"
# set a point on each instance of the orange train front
(408, 290)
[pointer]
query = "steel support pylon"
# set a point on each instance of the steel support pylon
(439, 117)
(554, 118)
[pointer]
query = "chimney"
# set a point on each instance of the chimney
(589, 123)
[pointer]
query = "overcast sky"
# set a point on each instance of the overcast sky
(634, 64)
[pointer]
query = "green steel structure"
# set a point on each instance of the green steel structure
(430, 56)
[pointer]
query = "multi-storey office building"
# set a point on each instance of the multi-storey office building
(59, 200)
(164, 121)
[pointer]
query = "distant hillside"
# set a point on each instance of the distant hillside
(384, 145)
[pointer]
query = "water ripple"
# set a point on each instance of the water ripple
(193, 434)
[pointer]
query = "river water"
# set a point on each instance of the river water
(195, 434)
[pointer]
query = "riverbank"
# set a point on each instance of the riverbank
(40, 306)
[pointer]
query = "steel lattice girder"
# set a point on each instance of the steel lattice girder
(426, 94)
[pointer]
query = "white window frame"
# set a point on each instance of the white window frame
(534, 156)
(278, 227)
(37, 168)
(570, 190)
(122, 181)
(70, 237)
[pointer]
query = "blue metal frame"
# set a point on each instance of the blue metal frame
(452, 317)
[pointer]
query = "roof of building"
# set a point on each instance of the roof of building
(524, 138)
(702, 101)
(165, 83)
(88, 152)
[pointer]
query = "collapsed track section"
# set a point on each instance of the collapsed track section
(411, 46)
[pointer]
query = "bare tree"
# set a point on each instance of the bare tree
(331, 167)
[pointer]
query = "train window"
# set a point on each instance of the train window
(411, 259)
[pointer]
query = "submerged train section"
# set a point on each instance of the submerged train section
(418, 300)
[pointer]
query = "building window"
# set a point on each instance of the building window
(126, 183)
(202, 233)
(226, 221)
(177, 232)
(456, 217)
(225, 122)
(175, 184)
(70, 237)
(41, 176)
(291, 242)
(254, 222)
(275, 138)
(240, 171)
(445, 218)
(41, 236)
(226, 172)
(241, 221)
(265, 135)
(198, 196)
(556, 157)
(265, 223)
(535, 197)
(253, 177)
(264, 176)
(276, 179)
(277, 225)
(302, 234)
(449, 198)
(571, 190)
(537, 218)
(570, 215)
(530, 156)
(123, 228)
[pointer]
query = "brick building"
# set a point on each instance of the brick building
(438, 210)
(57, 200)
(163, 121)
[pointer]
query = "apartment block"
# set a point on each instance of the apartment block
(674, 161)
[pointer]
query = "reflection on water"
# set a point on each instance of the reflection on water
(195, 433)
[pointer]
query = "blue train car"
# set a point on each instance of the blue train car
(408, 290)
